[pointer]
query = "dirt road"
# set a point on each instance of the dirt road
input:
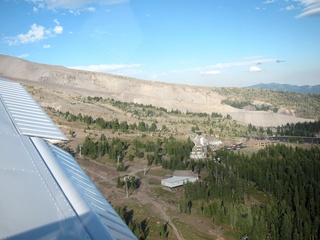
(143, 194)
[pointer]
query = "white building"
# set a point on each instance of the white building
(179, 178)
(199, 151)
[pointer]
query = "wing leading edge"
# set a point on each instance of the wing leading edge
(44, 192)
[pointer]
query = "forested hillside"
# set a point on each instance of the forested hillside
(303, 105)
(274, 194)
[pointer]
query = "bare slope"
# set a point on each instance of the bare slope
(169, 96)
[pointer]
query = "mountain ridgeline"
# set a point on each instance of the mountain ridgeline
(305, 89)
(259, 107)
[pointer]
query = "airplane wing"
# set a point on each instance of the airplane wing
(44, 193)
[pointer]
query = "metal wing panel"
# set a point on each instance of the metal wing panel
(44, 192)
(31, 203)
(27, 116)
(102, 208)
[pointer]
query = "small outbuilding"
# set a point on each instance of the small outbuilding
(258, 143)
(179, 178)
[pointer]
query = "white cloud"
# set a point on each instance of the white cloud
(35, 9)
(72, 4)
(254, 69)
(214, 72)
(56, 21)
(112, 1)
(107, 67)
(58, 29)
(91, 9)
(254, 57)
(74, 12)
(311, 8)
(47, 46)
(269, 1)
(64, 4)
(78, 11)
(35, 33)
(291, 7)
(23, 55)
(216, 68)
(128, 72)
(242, 63)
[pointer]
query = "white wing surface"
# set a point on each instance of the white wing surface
(44, 193)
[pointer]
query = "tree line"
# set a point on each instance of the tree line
(113, 124)
(305, 129)
(147, 110)
(115, 148)
(169, 152)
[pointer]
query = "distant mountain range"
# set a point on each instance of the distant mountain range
(288, 87)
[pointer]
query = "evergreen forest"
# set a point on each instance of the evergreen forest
(273, 194)
(305, 129)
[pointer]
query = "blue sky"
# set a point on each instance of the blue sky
(197, 42)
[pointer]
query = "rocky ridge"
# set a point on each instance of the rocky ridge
(126, 89)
